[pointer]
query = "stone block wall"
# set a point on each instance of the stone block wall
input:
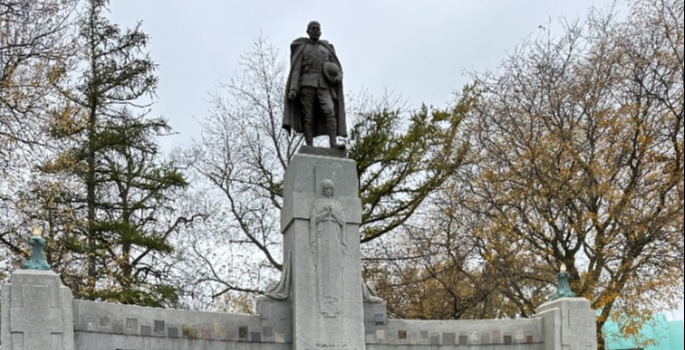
(96, 320)
(509, 334)
(384, 334)
(101, 326)
(38, 313)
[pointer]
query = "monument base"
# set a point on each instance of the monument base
(37, 310)
(320, 222)
(569, 323)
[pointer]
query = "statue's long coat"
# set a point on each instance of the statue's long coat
(292, 117)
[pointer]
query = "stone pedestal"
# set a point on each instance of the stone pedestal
(569, 323)
(321, 237)
(37, 312)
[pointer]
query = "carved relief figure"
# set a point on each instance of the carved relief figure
(329, 244)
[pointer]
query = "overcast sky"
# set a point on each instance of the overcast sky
(416, 49)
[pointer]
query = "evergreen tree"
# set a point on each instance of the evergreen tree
(107, 205)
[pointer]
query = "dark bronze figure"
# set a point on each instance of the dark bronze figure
(314, 102)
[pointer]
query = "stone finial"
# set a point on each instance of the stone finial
(37, 260)
(563, 288)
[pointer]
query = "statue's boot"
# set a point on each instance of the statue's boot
(333, 135)
(309, 135)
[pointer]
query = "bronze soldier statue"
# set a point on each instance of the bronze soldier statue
(314, 102)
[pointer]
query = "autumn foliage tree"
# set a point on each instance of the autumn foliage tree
(434, 273)
(579, 160)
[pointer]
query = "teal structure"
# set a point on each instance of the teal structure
(667, 334)
(563, 288)
(37, 260)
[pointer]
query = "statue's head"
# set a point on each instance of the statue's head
(314, 30)
(327, 188)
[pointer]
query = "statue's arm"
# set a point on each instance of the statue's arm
(334, 58)
(339, 216)
(338, 213)
(316, 217)
(295, 72)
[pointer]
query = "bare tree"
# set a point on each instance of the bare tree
(243, 153)
(35, 47)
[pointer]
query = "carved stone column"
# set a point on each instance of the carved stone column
(320, 222)
(569, 323)
(37, 312)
